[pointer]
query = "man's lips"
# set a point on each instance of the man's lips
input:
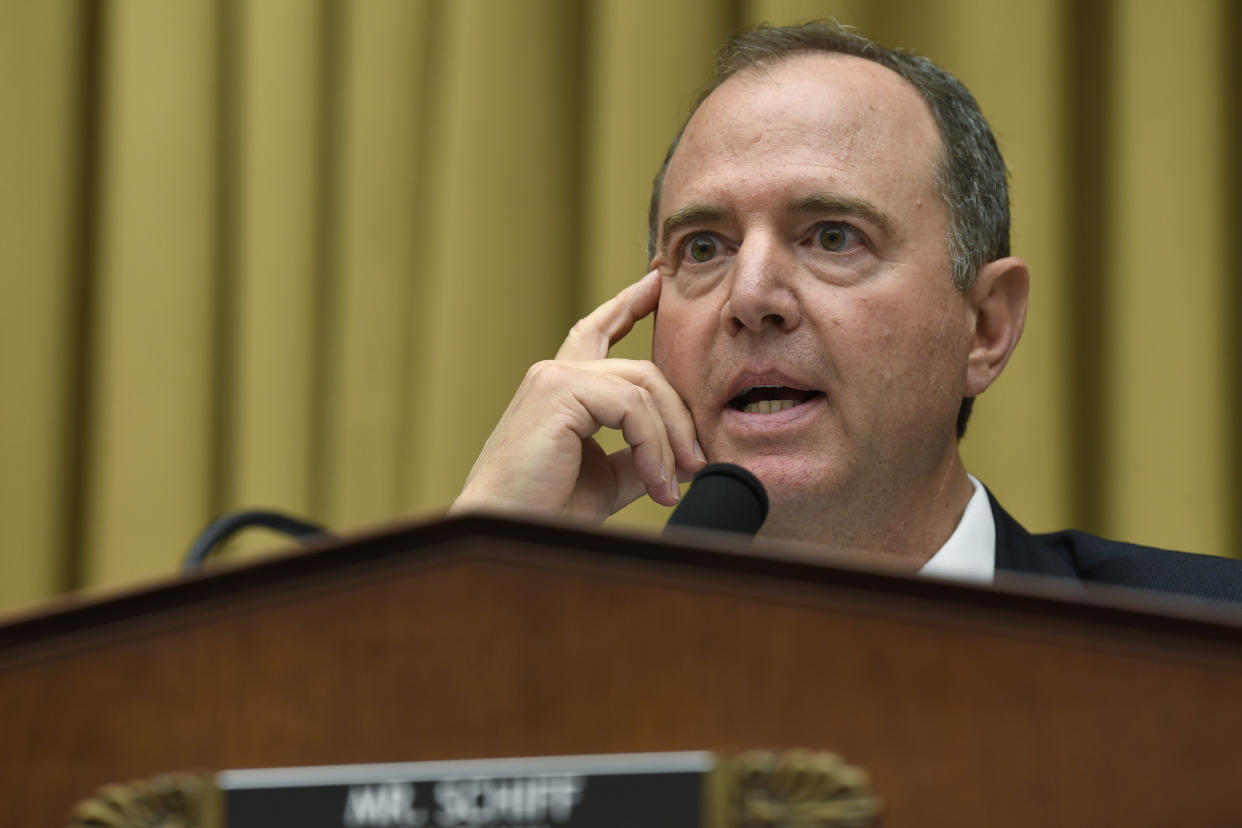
(768, 392)
(769, 419)
(771, 399)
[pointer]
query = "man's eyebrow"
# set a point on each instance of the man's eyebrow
(689, 216)
(843, 205)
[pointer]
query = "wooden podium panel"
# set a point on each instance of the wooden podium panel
(485, 637)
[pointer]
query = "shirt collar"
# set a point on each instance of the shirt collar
(970, 552)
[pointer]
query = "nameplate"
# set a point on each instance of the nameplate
(647, 789)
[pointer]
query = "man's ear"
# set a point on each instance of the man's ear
(998, 300)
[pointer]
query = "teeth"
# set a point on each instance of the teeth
(769, 406)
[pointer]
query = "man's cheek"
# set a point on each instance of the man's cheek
(680, 346)
(671, 349)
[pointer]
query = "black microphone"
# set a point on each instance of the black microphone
(723, 497)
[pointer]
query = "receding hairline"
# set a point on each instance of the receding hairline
(768, 63)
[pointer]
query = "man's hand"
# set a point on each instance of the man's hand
(543, 457)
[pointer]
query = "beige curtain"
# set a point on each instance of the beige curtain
(298, 254)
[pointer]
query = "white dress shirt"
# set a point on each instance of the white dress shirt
(970, 552)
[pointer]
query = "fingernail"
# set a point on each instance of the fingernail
(698, 452)
(663, 473)
(677, 494)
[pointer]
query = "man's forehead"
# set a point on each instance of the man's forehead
(817, 109)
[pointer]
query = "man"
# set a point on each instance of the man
(831, 274)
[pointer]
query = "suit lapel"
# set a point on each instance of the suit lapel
(1017, 550)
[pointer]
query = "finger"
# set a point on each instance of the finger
(613, 402)
(628, 485)
(669, 492)
(594, 334)
(678, 422)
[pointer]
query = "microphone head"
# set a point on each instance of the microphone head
(723, 497)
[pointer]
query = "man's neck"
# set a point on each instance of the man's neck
(902, 525)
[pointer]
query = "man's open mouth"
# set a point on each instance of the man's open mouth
(769, 399)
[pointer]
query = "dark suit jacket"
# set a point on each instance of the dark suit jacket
(1092, 560)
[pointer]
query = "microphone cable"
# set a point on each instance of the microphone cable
(223, 528)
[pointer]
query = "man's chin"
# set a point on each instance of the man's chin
(787, 478)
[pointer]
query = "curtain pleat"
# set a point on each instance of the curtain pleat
(1168, 357)
(150, 434)
(42, 137)
(271, 230)
(299, 253)
(378, 271)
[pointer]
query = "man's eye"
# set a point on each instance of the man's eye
(836, 237)
(702, 247)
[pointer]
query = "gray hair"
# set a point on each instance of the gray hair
(970, 176)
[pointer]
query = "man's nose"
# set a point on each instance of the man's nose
(761, 288)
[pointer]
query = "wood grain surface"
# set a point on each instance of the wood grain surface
(486, 638)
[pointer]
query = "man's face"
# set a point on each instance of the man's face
(807, 315)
